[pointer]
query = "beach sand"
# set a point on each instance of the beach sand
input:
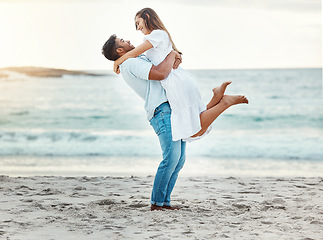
(118, 208)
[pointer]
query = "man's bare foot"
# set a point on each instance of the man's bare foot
(231, 100)
(218, 94)
(171, 208)
(156, 208)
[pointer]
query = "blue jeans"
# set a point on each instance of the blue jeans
(173, 156)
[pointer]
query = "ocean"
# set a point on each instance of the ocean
(96, 125)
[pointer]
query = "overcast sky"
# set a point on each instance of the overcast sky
(212, 34)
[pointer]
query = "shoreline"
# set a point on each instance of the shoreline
(98, 166)
(118, 208)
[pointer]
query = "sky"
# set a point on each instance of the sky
(212, 34)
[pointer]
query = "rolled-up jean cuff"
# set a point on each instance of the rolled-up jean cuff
(157, 203)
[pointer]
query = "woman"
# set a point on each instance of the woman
(190, 119)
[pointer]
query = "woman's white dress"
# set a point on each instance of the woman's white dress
(181, 90)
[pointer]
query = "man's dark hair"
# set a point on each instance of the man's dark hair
(110, 47)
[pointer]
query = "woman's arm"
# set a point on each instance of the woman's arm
(131, 54)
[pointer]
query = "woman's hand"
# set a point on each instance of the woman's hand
(116, 68)
(178, 60)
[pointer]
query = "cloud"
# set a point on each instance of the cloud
(285, 5)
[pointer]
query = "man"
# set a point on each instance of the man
(143, 77)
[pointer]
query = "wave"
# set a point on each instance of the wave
(20, 113)
(75, 117)
(248, 144)
(88, 117)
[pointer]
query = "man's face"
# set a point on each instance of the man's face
(124, 44)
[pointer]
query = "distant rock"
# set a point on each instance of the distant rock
(45, 72)
(2, 75)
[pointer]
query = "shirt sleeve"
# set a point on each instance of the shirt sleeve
(137, 67)
(156, 37)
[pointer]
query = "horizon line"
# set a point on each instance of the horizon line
(190, 69)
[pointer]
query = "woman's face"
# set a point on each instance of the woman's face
(141, 26)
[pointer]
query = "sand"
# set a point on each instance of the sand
(118, 208)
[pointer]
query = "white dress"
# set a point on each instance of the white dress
(181, 91)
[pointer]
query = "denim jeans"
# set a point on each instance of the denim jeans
(173, 156)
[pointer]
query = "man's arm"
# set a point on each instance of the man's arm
(161, 71)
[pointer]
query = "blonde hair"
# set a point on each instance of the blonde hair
(153, 22)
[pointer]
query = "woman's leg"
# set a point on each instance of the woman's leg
(217, 94)
(208, 116)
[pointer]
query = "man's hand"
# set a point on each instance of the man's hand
(178, 60)
(161, 71)
(116, 68)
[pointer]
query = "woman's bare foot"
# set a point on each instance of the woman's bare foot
(218, 94)
(219, 91)
(231, 100)
(208, 116)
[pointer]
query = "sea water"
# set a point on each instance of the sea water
(96, 125)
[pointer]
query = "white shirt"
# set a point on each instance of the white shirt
(135, 72)
(162, 46)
